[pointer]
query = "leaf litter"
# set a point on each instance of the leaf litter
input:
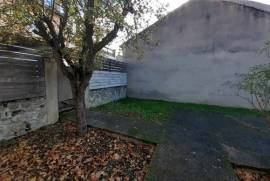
(58, 152)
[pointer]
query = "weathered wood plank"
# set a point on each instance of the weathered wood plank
(22, 68)
(8, 94)
(21, 84)
(16, 93)
(7, 60)
(21, 73)
(21, 95)
(33, 68)
(22, 79)
(22, 55)
(18, 48)
(16, 90)
(28, 87)
(18, 73)
(112, 66)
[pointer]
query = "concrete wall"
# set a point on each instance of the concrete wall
(200, 47)
(97, 97)
(64, 89)
(104, 87)
(51, 84)
(21, 116)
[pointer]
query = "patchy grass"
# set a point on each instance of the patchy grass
(151, 110)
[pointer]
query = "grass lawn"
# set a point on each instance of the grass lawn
(151, 110)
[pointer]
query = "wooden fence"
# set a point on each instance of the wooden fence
(111, 65)
(106, 79)
(21, 73)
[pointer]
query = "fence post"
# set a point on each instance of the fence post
(51, 83)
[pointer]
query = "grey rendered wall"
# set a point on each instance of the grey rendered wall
(97, 97)
(200, 47)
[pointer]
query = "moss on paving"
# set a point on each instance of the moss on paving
(159, 111)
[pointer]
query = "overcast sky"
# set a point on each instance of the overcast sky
(176, 3)
(173, 4)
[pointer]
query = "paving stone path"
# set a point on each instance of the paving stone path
(196, 145)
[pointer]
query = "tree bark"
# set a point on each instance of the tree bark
(78, 92)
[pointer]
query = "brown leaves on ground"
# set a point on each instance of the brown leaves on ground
(245, 174)
(58, 153)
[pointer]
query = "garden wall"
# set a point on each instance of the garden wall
(31, 88)
(20, 116)
(28, 91)
(108, 84)
(201, 46)
(102, 96)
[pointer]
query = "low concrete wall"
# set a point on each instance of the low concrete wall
(21, 116)
(98, 97)
(99, 81)
(105, 87)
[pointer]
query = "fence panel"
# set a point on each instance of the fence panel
(21, 73)
(106, 79)
(112, 66)
(109, 73)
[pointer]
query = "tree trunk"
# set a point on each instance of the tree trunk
(78, 78)
(79, 106)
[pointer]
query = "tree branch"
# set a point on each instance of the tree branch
(63, 23)
(67, 71)
(42, 32)
(89, 23)
(53, 6)
(128, 8)
(51, 27)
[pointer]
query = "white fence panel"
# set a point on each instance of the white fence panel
(105, 79)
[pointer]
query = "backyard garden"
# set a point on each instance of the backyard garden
(160, 112)
(69, 110)
(135, 139)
